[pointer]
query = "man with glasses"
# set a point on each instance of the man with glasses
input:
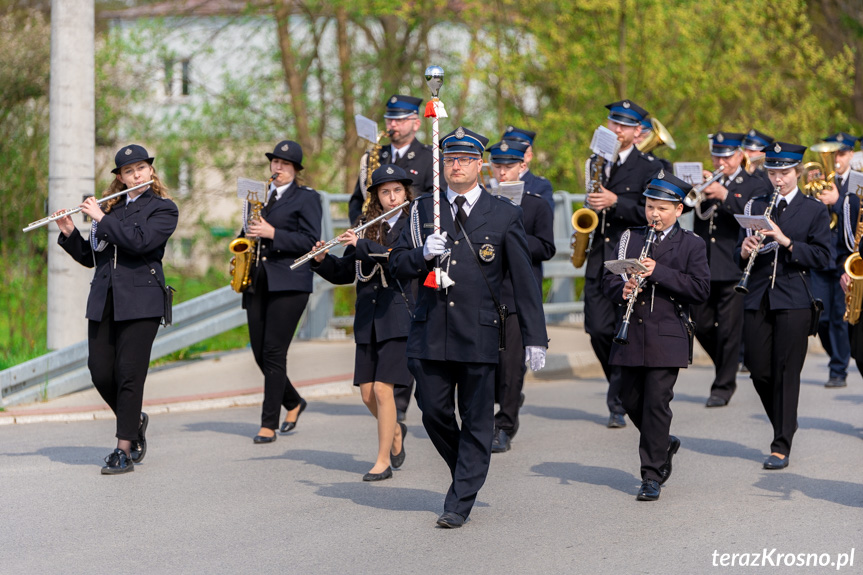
(719, 320)
(456, 331)
(620, 205)
(404, 150)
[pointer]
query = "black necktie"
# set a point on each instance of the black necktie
(614, 168)
(779, 209)
(461, 214)
(270, 202)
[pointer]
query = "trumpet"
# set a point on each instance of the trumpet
(696, 194)
(335, 241)
(64, 213)
(622, 337)
(754, 162)
(743, 285)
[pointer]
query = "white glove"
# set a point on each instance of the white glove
(435, 245)
(536, 356)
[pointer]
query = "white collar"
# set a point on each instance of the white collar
(472, 196)
(397, 152)
(623, 155)
(735, 174)
(790, 196)
(280, 191)
(392, 221)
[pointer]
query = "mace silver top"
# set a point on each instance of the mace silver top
(434, 79)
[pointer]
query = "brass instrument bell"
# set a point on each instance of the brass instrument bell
(658, 137)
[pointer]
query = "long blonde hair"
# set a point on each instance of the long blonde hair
(116, 186)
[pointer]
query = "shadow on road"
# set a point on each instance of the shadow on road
(339, 408)
(570, 472)
(332, 460)
(383, 496)
(855, 399)
(721, 448)
(230, 427)
(700, 399)
(564, 414)
(70, 455)
(785, 484)
(828, 425)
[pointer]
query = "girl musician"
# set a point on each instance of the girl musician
(127, 295)
(777, 307)
(289, 226)
(383, 312)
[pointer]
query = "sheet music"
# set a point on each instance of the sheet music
(513, 191)
(251, 190)
(690, 172)
(605, 144)
(754, 223)
(627, 266)
(855, 182)
(366, 129)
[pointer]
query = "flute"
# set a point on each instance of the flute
(64, 213)
(335, 241)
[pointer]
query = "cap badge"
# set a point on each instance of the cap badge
(720, 137)
(385, 154)
(284, 148)
(128, 151)
(777, 148)
(626, 104)
(840, 138)
(389, 171)
(751, 132)
(503, 147)
(661, 175)
(393, 100)
(411, 155)
(486, 252)
(459, 133)
(510, 128)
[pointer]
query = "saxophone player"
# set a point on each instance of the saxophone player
(719, 320)
(827, 283)
(621, 205)
(777, 308)
(660, 338)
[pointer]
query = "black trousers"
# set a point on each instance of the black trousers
(466, 450)
(402, 395)
(857, 343)
(719, 329)
(119, 356)
(273, 319)
(600, 318)
(775, 348)
(646, 393)
(509, 378)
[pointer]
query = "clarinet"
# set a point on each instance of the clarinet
(742, 285)
(622, 336)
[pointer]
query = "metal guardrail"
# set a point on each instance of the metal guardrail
(65, 370)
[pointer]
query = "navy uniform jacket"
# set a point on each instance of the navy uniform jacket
(628, 182)
(847, 210)
(539, 186)
(135, 233)
(666, 165)
(461, 323)
(721, 230)
(539, 227)
(297, 219)
(417, 162)
(806, 222)
(658, 337)
(380, 308)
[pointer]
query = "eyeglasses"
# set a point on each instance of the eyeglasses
(463, 161)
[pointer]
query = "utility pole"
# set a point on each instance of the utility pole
(71, 159)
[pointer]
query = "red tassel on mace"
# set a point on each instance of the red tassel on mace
(430, 113)
(430, 281)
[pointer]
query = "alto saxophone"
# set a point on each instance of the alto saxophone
(585, 220)
(854, 269)
(245, 250)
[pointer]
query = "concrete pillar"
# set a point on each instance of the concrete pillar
(71, 163)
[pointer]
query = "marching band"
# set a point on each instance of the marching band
(449, 282)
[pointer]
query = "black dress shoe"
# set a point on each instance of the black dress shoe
(265, 439)
(774, 462)
(139, 447)
(836, 382)
(400, 415)
(118, 462)
(665, 468)
(450, 520)
(398, 459)
(616, 421)
(649, 490)
(716, 401)
(289, 425)
(500, 443)
(385, 474)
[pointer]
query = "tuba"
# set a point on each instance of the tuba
(244, 249)
(658, 137)
(817, 177)
(854, 269)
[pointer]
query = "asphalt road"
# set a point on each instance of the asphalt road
(206, 500)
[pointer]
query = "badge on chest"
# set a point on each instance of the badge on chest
(486, 252)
